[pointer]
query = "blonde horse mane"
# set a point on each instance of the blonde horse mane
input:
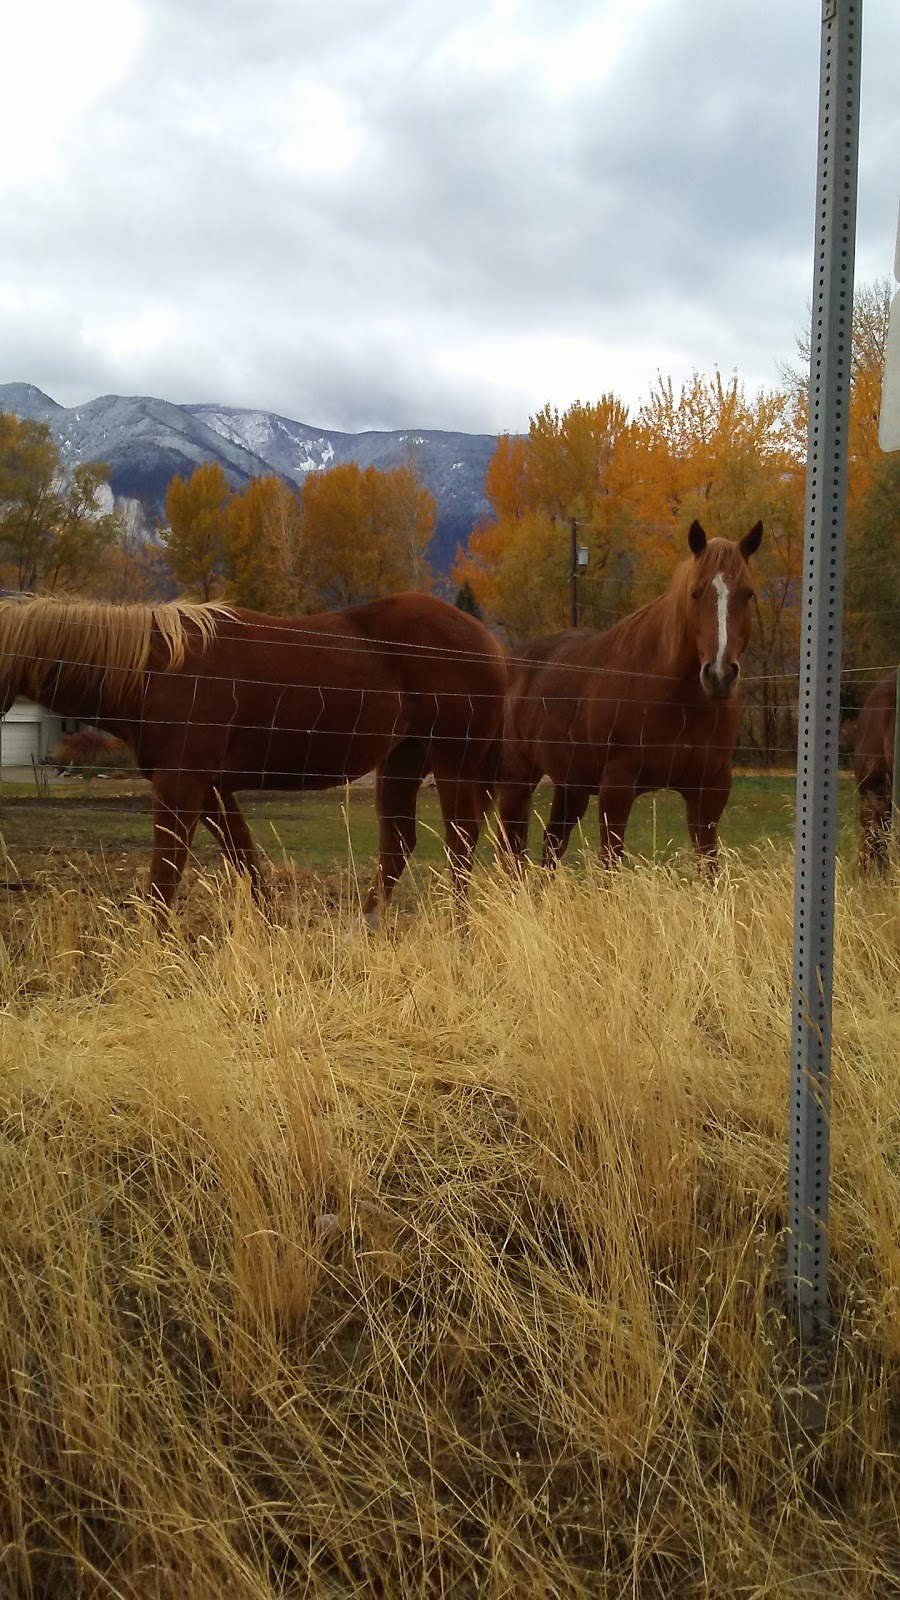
(87, 637)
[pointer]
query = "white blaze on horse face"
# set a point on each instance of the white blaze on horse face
(721, 589)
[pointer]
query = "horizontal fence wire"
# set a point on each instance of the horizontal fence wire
(110, 670)
(297, 723)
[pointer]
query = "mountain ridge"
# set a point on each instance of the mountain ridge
(146, 440)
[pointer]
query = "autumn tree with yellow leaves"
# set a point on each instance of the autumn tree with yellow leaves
(346, 536)
(367, 533)
(267, 562)
(708, 450)
(56, 525)
(517, 561)
(196, 537)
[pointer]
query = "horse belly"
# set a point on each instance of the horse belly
(318, 740)
(545, 735)
(579, 732)
(257, 735)
(565, 750)
(319, 760)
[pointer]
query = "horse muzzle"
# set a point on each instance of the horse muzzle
(719, 682)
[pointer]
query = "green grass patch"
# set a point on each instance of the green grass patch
(338, 830)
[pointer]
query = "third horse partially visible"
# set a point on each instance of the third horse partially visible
(873, 767)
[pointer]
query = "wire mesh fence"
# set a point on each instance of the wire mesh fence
(329, 732)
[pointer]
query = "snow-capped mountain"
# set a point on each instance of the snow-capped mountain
(145, 441)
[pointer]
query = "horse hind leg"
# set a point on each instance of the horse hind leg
(174, 823)
(228, 825)
(514, 800)
(875, 812)
(566, 811)
(618, 792)
(397, 784)
(462, 808)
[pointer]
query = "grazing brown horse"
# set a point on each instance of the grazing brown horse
(648, 704)
(212, 700)
(873, 767)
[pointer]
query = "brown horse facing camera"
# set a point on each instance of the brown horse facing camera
(873, 768)
(212, 700)
(648, 704)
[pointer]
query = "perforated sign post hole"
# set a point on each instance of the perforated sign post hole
(820, 665)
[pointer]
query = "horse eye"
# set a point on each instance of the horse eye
(750, 594)
(697, 593)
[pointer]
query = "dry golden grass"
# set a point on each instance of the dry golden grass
(429, 1265)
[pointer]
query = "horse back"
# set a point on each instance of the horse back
(435, 632)
(400, 642)
(571, 645)
(333, 692)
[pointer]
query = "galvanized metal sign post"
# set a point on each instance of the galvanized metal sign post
(820, 664)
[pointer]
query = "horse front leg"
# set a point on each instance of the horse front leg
(513, 818)
(462, 812)
(704, 812)
(618, 792)
(875, 810)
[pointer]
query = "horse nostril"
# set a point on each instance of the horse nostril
(719, 681)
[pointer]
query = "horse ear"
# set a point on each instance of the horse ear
(696, 538)
(751, 541)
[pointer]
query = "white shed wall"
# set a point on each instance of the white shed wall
(28, 731)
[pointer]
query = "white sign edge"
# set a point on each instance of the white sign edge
(889, 414)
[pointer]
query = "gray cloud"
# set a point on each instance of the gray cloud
(368, 216)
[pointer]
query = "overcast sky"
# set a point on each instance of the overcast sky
(425, 213)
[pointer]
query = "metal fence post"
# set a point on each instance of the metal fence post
(820, 664)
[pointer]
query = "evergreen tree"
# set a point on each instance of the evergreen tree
(466, 601)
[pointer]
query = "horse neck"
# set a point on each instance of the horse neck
(98, 691)
(655, 636)
(77, 689)
(678, 652)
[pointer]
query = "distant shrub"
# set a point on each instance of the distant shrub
(89, 751)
